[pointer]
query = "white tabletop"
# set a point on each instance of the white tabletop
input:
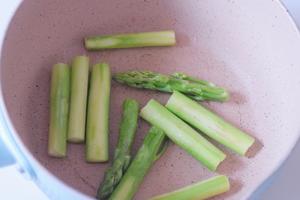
(285, 184)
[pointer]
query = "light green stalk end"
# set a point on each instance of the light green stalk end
(78, 100)
(201, 190)
(183, 135)
(59, 110)
(147, 39)
(98, 114)
(209, 123)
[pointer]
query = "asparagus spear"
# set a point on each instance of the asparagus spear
(209, 123)
(98, 114)
(201, 190)
(182, 134)
(122, 153)
(152, 148)
(79, 88)
(59, 110)
(197, 89)
(147, 39)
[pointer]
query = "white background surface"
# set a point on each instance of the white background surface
(285, 186)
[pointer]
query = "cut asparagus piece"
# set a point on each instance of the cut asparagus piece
(152, 148)
(78, 100)
(59, 110)
(147, 39)
(182, 134)
(209, 123)
(201, 190)
(98, 114)
(197, 89)
(122, 153)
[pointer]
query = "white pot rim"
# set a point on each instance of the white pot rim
(41, 175)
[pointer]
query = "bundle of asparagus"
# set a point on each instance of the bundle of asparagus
(77, 114)
(69, 88)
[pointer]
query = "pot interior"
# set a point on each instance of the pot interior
(249, 48)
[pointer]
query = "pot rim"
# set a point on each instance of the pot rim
(42, 177)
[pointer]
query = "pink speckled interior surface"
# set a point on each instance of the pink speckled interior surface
(249, 47)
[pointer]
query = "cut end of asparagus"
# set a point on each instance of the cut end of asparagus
(60, 65)
(130, 40)
(218, 163)
(201, 190)
(248, 147)
(95, 160)
(81, 58)
(57, 154)
(76, 140)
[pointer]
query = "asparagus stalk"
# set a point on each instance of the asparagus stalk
(152, 148)
(183, 135)
(209, 123)
(122, 153)
(98, 114)
(78, 100)
(147, 39)
(59, 110)
(201, 190)
(197, 89)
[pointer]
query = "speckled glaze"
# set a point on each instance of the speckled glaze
(249, 47)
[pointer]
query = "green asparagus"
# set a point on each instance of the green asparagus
(79, 88)
(152, 148)
(59, 110)
(147, 39)
(197, 89)
(98, 114)
(209, 123)
(182, 134)
(122, 153)
(201, 190)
